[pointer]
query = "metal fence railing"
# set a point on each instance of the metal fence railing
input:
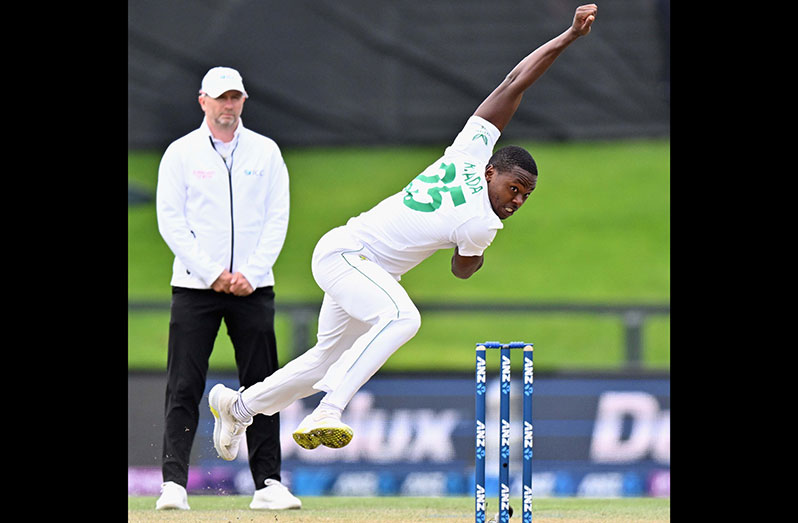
(632, 315)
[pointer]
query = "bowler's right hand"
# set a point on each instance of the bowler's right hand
(583, 19)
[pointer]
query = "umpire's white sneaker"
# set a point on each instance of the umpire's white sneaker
(274, 496)
(322, 427)
(173, 496)
(227, 430)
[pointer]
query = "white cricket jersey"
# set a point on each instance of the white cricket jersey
(445, 206)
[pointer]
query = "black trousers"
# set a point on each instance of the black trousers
(196, 316)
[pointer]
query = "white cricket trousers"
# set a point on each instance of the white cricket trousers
(365, 316)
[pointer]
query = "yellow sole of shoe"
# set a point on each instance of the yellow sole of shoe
(334, 438)
(306, 440)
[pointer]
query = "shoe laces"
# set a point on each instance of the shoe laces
(239, 427)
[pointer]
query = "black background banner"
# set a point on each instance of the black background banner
(326, 72)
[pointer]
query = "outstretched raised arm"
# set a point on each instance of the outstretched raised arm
(500, 106)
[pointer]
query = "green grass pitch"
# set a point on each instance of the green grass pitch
(405, 509)
(595, 230)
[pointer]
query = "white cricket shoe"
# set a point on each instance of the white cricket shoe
(322, 427)
(173, 496)
(227, 430)
(274, 496)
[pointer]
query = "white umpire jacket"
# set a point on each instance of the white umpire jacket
(214, 217)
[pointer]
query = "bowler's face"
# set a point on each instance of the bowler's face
(223, 112)
(508, 190)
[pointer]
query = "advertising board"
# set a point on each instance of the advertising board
(595, 435)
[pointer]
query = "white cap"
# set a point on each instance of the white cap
(219, 80)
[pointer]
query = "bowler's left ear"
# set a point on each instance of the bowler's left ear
(489, 170)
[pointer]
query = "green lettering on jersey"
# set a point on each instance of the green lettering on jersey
(440, 186)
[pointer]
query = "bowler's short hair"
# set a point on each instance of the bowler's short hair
(507, 157)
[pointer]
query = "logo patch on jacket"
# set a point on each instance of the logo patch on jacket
(202, 174)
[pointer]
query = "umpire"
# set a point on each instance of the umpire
(222, 207)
